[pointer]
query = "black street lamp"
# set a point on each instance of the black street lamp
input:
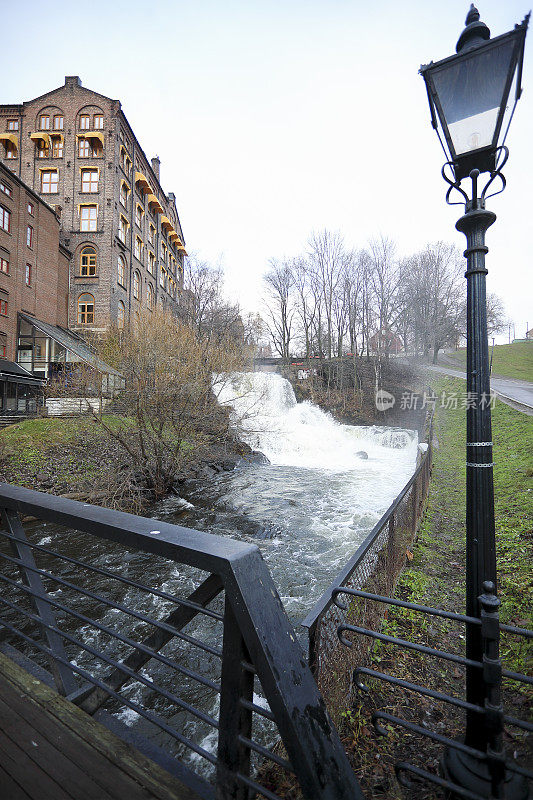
(472, 97)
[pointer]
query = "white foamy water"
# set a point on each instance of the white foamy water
(302, 434)
(326, 486)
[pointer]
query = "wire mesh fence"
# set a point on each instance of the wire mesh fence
(375, 566)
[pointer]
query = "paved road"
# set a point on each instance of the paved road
(517, 394)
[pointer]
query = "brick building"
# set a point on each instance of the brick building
(34, 279)
(34, 264)
(77, 150)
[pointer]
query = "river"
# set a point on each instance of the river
(308, 504)
(324, 487)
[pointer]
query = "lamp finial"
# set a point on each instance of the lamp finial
(472, 16)
(475, 33)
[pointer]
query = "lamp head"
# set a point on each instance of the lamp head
(472, 95)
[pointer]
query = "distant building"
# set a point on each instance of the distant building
(529, 334)
(76, 150)
(263, 351)
(385, 341)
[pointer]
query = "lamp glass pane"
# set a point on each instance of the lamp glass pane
(509, 108)
(470, 92)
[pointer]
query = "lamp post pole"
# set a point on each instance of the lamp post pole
(471, 107)
(480, 527)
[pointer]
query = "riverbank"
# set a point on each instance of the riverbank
(435, 576)
(76, 458)
(347, 390)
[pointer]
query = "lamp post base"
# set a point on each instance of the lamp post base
(472, 774)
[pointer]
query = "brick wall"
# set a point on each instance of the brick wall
(46, 296)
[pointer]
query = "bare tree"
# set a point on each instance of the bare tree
(279, 305)
(166, 416)
(433, 293)
(305, 300)
(328, 257)
(384, 279)
(204, 307)
(496, 319)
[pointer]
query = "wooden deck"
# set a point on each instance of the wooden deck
(51, 750)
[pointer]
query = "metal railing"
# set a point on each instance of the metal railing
(375, 565)
(496, 769)
(215, 676)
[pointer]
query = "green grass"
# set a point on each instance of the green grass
(42, 433)
(69, 451)
(435, 576)
(440, 549)
(509, 360)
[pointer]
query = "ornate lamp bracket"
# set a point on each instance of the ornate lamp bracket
(475, 201)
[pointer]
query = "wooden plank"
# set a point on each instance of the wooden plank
(10, 789)
(35, 782)
(27, 727)
(111, 754)
(63, 676)
(179, 618)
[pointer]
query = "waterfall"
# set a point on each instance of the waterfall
(302, 434)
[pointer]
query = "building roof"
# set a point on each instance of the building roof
(71, 342)
(69, 79)
(12, 371)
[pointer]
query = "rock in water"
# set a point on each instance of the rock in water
(362, 454)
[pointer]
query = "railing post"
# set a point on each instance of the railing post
(492, 680)
(314, 637)
(234, 720)
(391, 551)
(63, 676)
(415, 504)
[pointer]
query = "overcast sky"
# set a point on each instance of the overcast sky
(273, 118)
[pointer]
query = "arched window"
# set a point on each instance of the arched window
(85, 309)
(137, 285)
(88, 262)
(120, 315)
(150, 297)
(121, 271)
